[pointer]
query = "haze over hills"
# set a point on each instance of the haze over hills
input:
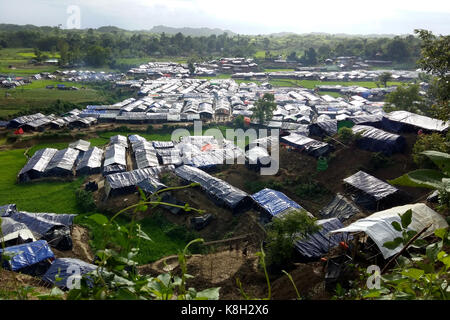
(193, 32)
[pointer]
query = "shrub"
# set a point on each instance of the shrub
(425, 142)
(346, 135)
(85, 200)
(281, 235)
(378, 160)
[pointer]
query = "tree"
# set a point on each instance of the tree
(38, 54)
(292, 56)
(436, 60)
(283, 232)
(384, 78)
(265, 107)
(405, 97)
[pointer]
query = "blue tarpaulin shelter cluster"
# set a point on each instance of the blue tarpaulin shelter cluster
(274, 202)
(377, 140)
(319, 243)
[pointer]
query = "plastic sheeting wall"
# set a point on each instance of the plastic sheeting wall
(91, 163)
(36, 166)
(376, 140)
(397, 120)
(62, 162)
(319, 243)
(340, 207)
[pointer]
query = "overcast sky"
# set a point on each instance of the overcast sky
(241, 16)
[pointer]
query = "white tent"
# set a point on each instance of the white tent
(379, 228)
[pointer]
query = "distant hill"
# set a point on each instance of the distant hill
(193, 32)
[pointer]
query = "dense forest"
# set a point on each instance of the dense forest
(105, 45)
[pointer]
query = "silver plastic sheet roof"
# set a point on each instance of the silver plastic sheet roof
(115, 154)
(146, 158)
(416, 120)
(132, 178)
(120, 140)
(81, 145)
(39, 161)
(92, 158)
(309, 145)
(63, 159)
(370, 185)
(218, 189)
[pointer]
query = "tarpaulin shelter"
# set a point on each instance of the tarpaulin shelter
(398, 121)
(80, 145)
(120, 140)
(323, 128)
(146, 158)
(55, 228)
(115, 159)
(371, 191)
(7, 210)
(29, 258)
(273, 202)
(378, 226)
(15, 232)
(62, 163)
(126, 182)
(377, 140)
(340, 207)
(319, 243)
(17, 122)
(37, 164)
(310, 146)
(62, 269)
(220, 191)
(374, 120)
(169, 156)
(151, 185)
(91, 163)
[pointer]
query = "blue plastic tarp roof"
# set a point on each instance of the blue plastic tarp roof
(41, 223)
(7, 210)
(319, 243)
(274, 202)
(64, 268)
(28, 254)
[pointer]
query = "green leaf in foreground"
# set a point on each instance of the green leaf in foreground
(99, 219)
(425, 178)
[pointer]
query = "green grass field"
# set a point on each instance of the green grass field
(36, 96)
(311, 84)
(19, 58)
